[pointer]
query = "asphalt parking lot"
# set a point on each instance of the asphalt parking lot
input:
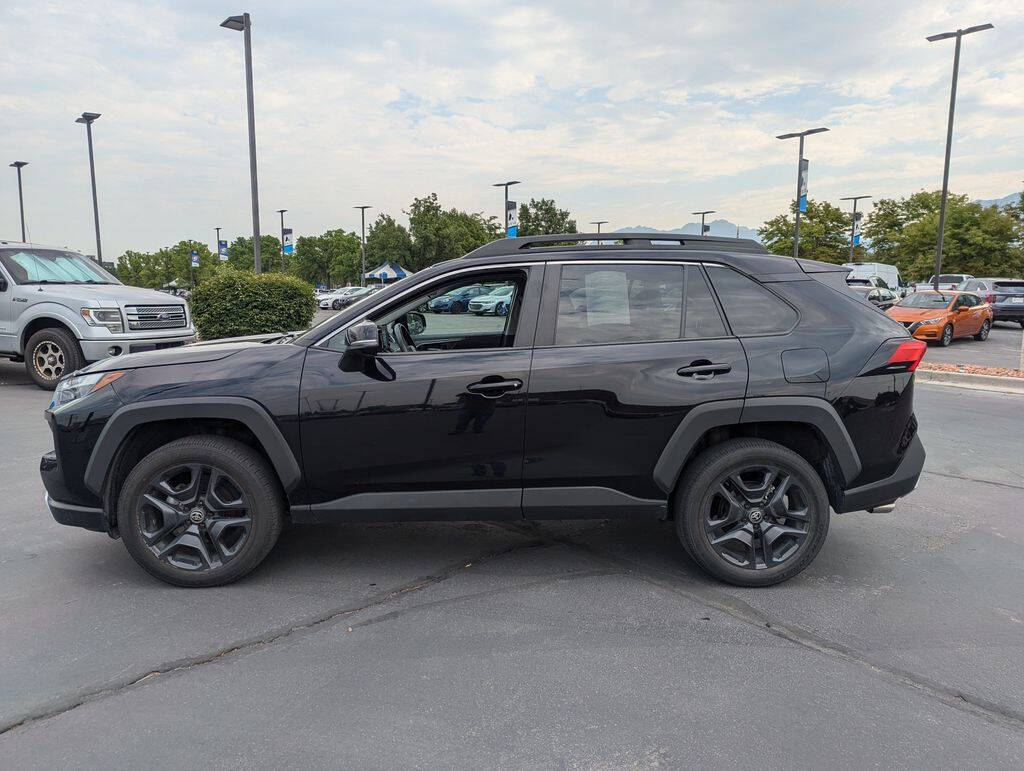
(576, 644)
(1002, 349)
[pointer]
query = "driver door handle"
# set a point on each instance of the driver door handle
(494, 388)
(703, 371)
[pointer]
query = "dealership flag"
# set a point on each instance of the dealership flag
(804, 163)
(222, 250)
(195, 259)
(511, 219)
(288, 246)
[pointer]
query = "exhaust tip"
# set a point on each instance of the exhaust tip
(885, 508)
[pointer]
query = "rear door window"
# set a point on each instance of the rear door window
(750, 308)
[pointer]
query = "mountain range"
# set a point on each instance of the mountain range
(718, 228)
(1006, 200)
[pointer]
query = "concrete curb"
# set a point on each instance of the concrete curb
(1014, 385)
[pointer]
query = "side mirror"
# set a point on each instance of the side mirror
(363, 338)
(416, 322)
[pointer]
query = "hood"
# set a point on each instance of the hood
(902, 313)
(96, 294)
(184, 354)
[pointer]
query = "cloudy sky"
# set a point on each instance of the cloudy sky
(634, 112)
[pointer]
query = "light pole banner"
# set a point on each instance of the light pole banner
(856, 230)
(288, 247)
(511, 219)
(804, 163)
(222, 250)
(195, 259)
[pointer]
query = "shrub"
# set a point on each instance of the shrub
(236, 302)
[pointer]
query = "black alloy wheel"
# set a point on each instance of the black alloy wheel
(751, 512)
(200, 511)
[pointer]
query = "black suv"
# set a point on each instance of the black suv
(739, 393)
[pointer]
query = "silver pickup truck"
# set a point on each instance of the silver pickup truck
(60, 310)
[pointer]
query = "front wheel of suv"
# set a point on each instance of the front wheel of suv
(751, 512)
(200, 511)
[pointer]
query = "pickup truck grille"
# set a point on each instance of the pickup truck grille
(155, 316)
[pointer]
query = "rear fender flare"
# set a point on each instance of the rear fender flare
(244, 411)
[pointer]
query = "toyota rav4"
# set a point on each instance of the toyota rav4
(741, 394)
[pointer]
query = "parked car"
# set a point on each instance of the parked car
(883, 275)
(340, 298)
(940, 317)
(1005, 295)
(872, 281)
(496, 302)
(457, 301)
(60, 310)
(946, 281)
(880, 298)
(739, 393)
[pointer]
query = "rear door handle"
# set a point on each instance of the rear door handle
(704, 371)
(492, 389)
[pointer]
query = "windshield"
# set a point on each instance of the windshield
(501, 291)
(50, 266)
(926, 300)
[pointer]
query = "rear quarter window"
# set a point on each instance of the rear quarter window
(749, 307)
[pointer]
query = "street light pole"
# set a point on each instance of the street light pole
(21, 201)
(242, 24)
(799, 169)
(87, 118)
(217, 249)
(281, 212)
(853, 219)
(702, 215)
(599, 223)
(949, 139)
(362, 242)
(504, 213)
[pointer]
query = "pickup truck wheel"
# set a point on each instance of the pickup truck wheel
(50, 354)
(200, 511)
(751, 512)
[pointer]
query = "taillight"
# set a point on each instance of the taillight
(907, 355)
(990, 298)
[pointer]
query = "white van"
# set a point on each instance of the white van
(890, 274)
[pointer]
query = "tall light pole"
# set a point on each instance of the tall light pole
(281, 212)
(949, 138)
(504, 212)
(242, 24)
(87, 118)
(599, 223)
(799, 175)
(362, 242)
(853, 220)
(217, 243)
(21, 201)
(702, 215)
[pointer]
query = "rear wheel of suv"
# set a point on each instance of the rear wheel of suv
(986, 327)
(751, 512)
(50, 354)
(200, 511)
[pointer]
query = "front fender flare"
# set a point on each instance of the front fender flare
(245, 411)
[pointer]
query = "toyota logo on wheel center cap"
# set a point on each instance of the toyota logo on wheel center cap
(755, 515)
(197, 515)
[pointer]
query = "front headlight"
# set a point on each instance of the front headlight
(104, 317)
(936, 320)
(75, 387)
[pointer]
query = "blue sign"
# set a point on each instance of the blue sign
(856, 240)
(511, 219)
(288, 247)
(804, 163)
(195, 259)
(222, 249)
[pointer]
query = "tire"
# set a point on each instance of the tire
(50, 354)
(336, 305)
(986, 327)
(455, 308)
(501, 310)
(703, 514)
(947, 336)
(197, 549)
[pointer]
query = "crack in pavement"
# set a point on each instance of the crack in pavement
(973, 479)
(66, 704)
(972, 704)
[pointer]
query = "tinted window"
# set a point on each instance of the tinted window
(750, 308)
(701, 318)
(619, 303)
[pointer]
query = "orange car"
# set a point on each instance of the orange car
(938, 317)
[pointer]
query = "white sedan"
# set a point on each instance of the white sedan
(497, 302)
(339, 298)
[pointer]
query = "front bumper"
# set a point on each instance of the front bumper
(901, 482)
(94, 350)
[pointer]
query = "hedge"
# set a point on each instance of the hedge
(236, 302)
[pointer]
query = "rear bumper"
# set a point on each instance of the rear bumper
(1008, 312)
(901, 482)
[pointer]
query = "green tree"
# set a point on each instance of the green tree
(444, 234)
(543, 218)
(132, 266)
(240, 253)
(980, 240)
(331, 258)
(824, 233)
(387, 240)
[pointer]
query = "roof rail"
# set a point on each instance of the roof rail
(630, 240)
